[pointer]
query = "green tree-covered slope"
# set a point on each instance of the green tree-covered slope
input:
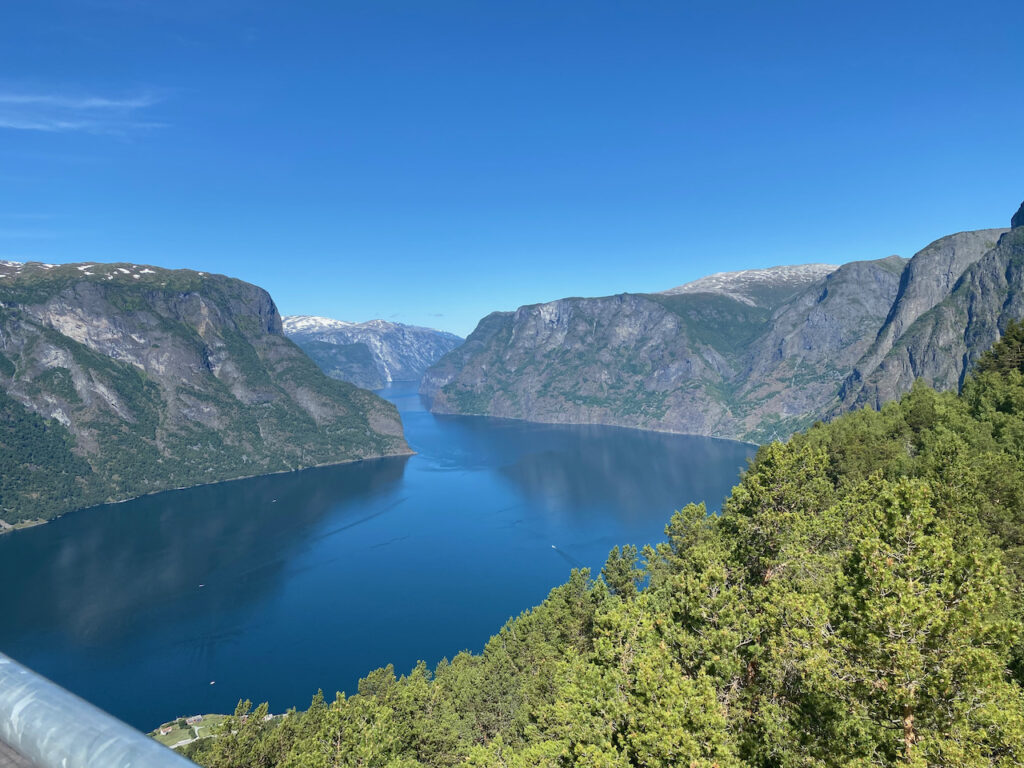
(118, 380)
(857, 603)
(353, 363)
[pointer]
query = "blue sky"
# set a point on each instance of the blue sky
(430, 162)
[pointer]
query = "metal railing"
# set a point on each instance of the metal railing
(55, 729)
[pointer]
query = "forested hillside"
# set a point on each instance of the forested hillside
(858, 602)
(118, 380)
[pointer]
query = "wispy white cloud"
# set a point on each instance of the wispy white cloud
(62, 113)
(69, 102)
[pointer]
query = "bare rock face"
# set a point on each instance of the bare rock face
(929, 279)
(752, 355)
(944, 341)
(118, 380)
(1018, 218)
(615, 360)
(728, 356)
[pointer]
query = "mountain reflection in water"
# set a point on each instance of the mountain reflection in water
(273, 587)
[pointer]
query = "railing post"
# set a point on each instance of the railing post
(55, 729)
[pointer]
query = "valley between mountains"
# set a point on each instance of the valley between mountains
(371, 354)
(118, 380)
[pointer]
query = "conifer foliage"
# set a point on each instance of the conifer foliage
(857, 603)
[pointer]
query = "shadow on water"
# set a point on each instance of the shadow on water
(272, 587)
(587, 466)
(97, 572)
(572, 561)
(575, 468)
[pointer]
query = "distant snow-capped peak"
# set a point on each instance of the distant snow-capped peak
(737, 285)
(312, 323)
(296, 324)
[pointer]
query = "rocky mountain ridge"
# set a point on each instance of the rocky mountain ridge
(370, 354)
(753, 355)
(122, 379)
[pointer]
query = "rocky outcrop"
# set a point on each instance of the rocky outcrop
(1018, 218)
(118, 380)
(752, 355)
(369, 354)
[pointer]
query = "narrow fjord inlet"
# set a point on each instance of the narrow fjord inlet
(511, 385)
(272, 587)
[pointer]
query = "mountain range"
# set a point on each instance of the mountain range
(370, 354)
(753, 355)
(120, 379)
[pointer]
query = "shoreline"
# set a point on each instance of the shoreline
(6, 527)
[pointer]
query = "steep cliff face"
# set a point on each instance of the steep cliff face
(369, 354)
(354, 363)
(943, 341)
(725, 356)
(625, 359)
(752, 355)
(118, 380)
(809, 344)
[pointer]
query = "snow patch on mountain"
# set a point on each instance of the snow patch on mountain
(742, 285)
(317, 324)
(400, 352)
(312, 324)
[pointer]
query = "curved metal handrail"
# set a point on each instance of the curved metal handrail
(53, 728)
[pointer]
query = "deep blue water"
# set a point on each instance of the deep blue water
(311, 579)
